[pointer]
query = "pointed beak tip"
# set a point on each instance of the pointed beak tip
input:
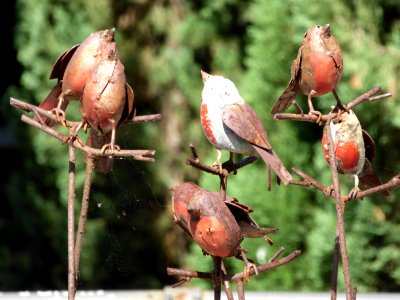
(204, 75)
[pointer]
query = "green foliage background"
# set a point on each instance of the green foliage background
(131, 237)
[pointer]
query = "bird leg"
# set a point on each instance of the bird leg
(229, 164)
(217, 164)
(111, 145)
(58, 112)
(74, 133)
(340, 107)
(312, 111)
(248, 266)
(354, 191)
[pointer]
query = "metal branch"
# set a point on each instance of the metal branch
(39, 111)
(238, 276)
(339, 213)
(145, 118)
(71, 226)
(226, 166)
(308, 181)
(391, 184)
(367, 96)
(83, 214)
(142, 155)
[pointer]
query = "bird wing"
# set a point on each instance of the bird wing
(369, 145)
(369, 178)
(51, 102)
(287, 97)
(244, 122)
(62, 62)
(248, 226)
(129, 110)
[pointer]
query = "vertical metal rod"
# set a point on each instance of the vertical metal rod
(71, 224)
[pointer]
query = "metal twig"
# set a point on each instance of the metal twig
(48, 114)
(240, 289)
(227, 287)
(238, 276)
(83, 214)
(217, 277)
(71, 227)
(276, 254)
(339, 212)
(367, 96)
(142, 155)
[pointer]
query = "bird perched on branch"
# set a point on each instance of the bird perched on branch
(354, 151)
(107, 102)
(229, 123)
(73, 69)
(316, 70)
(217, 226)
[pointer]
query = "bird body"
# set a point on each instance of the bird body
(104, 95)
(354, 150)
(73, 69)
(316, 70)
(107, 102)
(348, 143)
(212, 108)
(229, 123)
(217, 226)
(86, 58)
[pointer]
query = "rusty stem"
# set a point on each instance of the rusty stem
(71, 229)
(83, 214)
(238, 276)
(367, 96)
(339, 213)
(240, 289)
(143, 155)
(393, 183)
(226, 166)
(227, 287)
(39, 111)
(217, 277)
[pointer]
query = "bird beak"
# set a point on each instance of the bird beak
(204, 76)
(326, 30)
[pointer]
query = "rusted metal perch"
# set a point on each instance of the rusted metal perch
(271, 264)
(219, 276)
(75, 246)
(340, 201)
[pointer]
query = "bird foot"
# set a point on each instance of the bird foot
(318, 114)
(110, 146)
(353, 193)
(217, 165)
(247, 271)
(60, 116)
(328, 190)
(72, 137)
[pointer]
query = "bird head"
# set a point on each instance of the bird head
(220, 90)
